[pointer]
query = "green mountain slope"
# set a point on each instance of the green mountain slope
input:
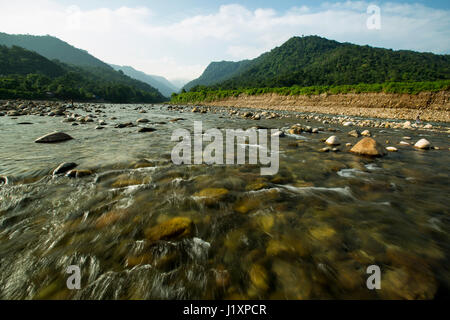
(26, 74)
(52, 48)
(17, 60)
(312, 60)
(217, 72)
(160, 83)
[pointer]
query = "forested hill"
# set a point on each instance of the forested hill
(217, 72)
(26, 74)
(52, 48)
(17, 60)
(312, 60)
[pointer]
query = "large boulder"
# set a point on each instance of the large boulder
(54, 137)
(368, 147)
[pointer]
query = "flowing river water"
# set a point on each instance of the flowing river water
(308, 232)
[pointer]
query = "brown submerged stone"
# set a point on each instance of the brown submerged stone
(109, 218)
(172, 229)
(368, 147)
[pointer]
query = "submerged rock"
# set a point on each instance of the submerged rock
(259, 277)
(54, 137)
(173, 229)
(368, 147)
(246, 205)
(212, 195)
(109, 218)
(64, 167)
(407, 283)
(423, 144)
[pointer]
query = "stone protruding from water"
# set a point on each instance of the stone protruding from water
(423, 144)
(64, 167)
(368, 147)
(333, 141)
(54, 137)
(3, 180)
(354, 133)
(146, 129)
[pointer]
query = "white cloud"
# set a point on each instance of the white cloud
(134, 36)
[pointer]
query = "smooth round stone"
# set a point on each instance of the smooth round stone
(422, 144)
(392, 149)
(404, 143)
(333, 141)
(54, 137)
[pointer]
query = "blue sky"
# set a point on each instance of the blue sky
(179, 6)
(179, 38)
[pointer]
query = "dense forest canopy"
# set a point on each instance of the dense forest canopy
(217, 72)
(26, 74)
(207, 94)
(316, 61)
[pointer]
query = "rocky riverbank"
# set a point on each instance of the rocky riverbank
(430, 106)
(326, 119)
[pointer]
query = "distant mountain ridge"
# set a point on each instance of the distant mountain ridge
(52, 48)
(312, 60)
(217, 72)
(158, 82)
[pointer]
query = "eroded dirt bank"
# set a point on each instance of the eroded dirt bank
(430, 106)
